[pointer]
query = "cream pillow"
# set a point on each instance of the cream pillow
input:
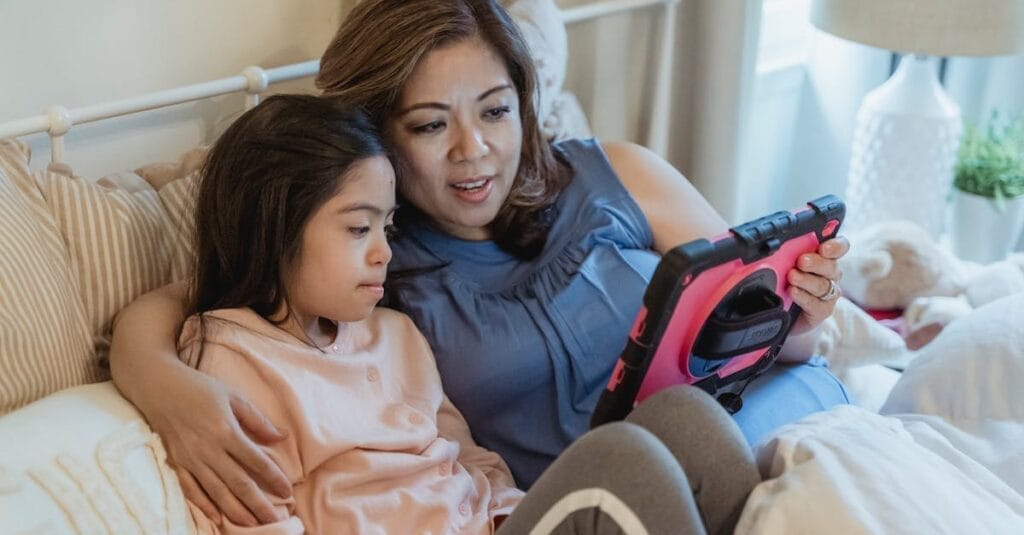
(84, 461)
(973, 370)
(122, 236)
(558, 111)
(44, 334)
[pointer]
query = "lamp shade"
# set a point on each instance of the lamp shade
(926, 27)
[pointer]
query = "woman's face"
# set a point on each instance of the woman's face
(458, 133)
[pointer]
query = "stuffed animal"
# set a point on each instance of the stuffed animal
(892, 263)
(896, 265)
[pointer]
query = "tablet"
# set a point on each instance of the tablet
(716, 312)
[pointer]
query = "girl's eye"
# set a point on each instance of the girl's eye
(497, 112)
(359, 232)
(390, 231)
(428, 128)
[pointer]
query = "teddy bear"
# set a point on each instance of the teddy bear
(898, 266)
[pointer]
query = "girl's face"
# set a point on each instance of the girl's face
(339, 271)
(459, 134)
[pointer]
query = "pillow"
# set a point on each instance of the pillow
(123, 239)
(175, 184)
(847, 470)
(558, 111)
(44, 334)
(973, 370)
(84, 461)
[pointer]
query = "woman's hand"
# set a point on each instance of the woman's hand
(206, 429)
(202, 423)
(814, 283)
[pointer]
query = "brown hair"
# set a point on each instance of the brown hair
(381, 42)
(260, 184)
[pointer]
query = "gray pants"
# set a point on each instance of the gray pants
(678, 464)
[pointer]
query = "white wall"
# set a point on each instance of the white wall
(83, 52)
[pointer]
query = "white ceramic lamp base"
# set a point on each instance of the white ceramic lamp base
(904, 147)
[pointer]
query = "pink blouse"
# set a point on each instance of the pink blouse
(373, 444)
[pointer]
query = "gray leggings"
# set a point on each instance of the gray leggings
(678, 464)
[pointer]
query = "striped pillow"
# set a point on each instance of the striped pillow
(44, 335)
(123, 239)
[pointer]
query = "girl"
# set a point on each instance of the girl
(293, 210)
(523, 263)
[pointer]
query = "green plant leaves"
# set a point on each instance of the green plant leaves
(990, 162)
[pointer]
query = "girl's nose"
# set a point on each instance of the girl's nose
(380, 252)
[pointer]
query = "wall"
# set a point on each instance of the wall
(83, 52)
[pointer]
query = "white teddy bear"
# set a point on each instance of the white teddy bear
(896, 265)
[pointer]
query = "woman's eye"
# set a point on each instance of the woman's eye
(497, 112)
(390, 231)
(359, 231)
(428, 128)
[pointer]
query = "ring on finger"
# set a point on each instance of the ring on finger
(832, 293)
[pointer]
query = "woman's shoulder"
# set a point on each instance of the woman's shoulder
(598, 192)
(599, 166)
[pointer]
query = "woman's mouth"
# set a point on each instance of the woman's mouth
(475, 190)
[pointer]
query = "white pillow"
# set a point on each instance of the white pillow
(974, 369)
(946, 455)
(848, 470)
(83, 461)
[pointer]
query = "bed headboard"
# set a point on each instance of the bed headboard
(253, 81)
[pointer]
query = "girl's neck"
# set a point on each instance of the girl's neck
(318, 331)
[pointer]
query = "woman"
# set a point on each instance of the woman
(522, 263)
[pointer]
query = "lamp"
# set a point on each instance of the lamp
(908, 129)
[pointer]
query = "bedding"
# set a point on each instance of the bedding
(944, 455)
(74, 253)
(44, 335)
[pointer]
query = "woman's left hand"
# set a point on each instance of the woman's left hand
(814, 283)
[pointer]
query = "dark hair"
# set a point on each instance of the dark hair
(260, 184)
(381, 42)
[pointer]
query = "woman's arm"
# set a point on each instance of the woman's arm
(675, 210)
(678, 213)
(203, 424)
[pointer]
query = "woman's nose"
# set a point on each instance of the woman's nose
(469, 145)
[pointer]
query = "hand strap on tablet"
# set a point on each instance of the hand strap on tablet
(754, 319)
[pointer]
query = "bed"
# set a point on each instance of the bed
(938, 451)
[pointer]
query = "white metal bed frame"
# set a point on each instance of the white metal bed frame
(253, 80)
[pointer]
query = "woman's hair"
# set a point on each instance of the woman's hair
(260, 184)
(381, 42)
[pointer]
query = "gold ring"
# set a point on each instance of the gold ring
(832, 293)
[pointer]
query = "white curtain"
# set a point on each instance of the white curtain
(611, 64)
(983, 85)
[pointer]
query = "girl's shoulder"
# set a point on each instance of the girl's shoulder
(218, 326)
(391, 322)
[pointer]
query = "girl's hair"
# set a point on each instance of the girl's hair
(261, 182)
(381, 42)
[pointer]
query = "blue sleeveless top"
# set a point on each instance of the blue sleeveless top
(525, 348)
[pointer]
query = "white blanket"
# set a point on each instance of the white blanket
(946, 455)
